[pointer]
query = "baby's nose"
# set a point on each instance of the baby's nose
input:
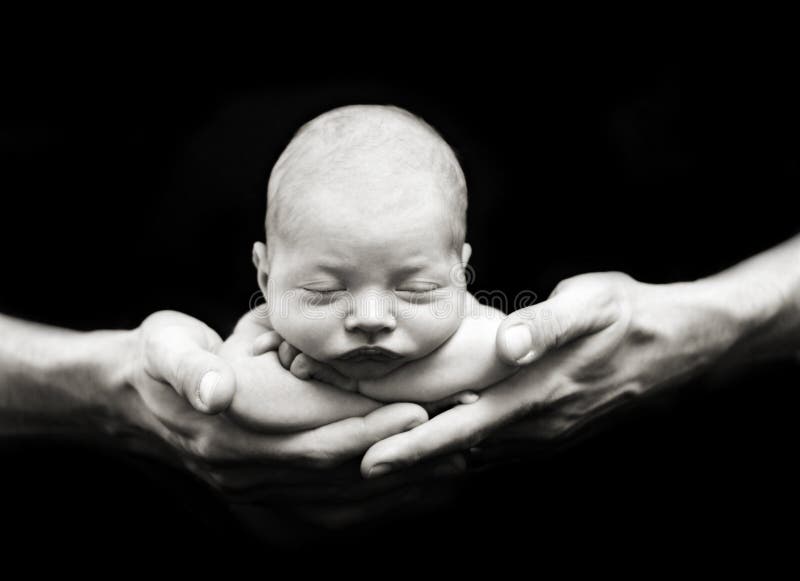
(371, 314)
(370, 325)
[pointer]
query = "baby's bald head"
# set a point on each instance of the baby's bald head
(368, 157)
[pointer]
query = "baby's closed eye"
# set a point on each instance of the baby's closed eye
(418, 287)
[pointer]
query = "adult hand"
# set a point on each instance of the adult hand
(599, 341)
(166, 391)
(307, 469)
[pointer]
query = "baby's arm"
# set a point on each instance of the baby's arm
(465, 362)
(271, 399)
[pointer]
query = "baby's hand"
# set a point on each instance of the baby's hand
(267, 395)
(301, 365)
(304, 367)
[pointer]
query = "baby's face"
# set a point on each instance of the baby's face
(366, 281)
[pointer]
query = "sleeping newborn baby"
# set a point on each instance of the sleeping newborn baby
(363, 266)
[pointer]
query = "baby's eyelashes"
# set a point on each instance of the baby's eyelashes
(418, 287)
(324, 291)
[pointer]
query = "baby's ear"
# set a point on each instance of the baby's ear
(466, 253)
(260, 262)
(260, 256)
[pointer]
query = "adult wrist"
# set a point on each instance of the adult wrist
(86, 373)
(753, 309)
(106, 363)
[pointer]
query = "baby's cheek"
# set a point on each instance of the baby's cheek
(308, 330)
(429, 327)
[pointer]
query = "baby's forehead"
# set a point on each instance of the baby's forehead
(364, 206)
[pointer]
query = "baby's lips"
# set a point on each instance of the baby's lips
(369, 352)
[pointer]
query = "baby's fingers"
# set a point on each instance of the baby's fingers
(266, 342)
(329, 375)
(287, 354)
(305, 367)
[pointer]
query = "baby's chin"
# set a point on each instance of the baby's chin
(367, 369)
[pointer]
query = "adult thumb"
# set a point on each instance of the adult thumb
(206, 380)
(527, 334)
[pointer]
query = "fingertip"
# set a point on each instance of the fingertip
(416, 414)
(284, 355)
(301, 367)
(515, 343)
(391, 423)
(468, 397)
(379, 460)
(379, 470)
(266, 342)
(215, 391)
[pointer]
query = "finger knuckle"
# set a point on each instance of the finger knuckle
(318, 454)
(554, 431)
(321, 458)
(470, 435)
(204, 447)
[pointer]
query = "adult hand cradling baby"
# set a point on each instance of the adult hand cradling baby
(152, 386)
(604, 340)
(290, 402)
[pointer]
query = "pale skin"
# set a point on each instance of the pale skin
(466, 363)
(370, 261)
(608, 339)
(602, 341)
(146, 387)
(360, 269)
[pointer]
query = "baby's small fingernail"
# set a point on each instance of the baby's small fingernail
(519, 343)
(208, 384)
(379, 470)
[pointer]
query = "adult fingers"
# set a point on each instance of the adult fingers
(331, 444)
(463, 398)
(460, 427)
(577, 310)
(180, 357)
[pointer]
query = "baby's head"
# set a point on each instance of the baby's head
(366, 220)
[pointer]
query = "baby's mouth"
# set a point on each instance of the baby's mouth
(370, 353)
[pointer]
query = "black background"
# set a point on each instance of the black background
(133, 187)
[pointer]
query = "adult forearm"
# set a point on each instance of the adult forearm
(56, 378)
(763, 295)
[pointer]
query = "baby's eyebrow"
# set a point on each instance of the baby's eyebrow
(336, 268)
(332, 267)
(410, 269)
